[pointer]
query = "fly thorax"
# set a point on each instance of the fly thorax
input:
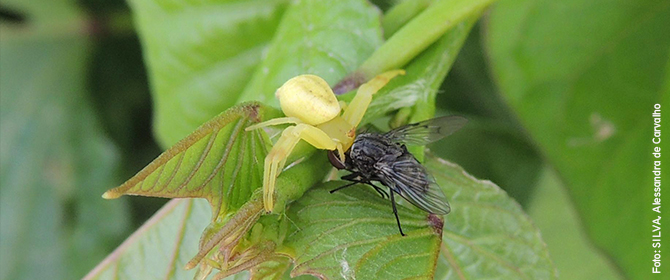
(364, 154)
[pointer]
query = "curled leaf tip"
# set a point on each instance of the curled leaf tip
(111, 195)
(350, 82)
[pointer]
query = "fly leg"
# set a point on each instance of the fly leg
(351, 177)
(342, 187)
(395, 211)
(380, 191)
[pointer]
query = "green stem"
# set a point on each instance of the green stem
(296, 180)
(402, 13)
(412, 39)
(420, 33)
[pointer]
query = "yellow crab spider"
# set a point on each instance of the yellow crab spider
(310, 104)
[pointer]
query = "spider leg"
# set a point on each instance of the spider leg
(357, 107)
(276, 121)
(276, 158)
(395, 212)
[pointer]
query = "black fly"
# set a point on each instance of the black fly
(383, 157)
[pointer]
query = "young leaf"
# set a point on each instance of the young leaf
(583, 78)
(271, 270)
(200, 55)
(220, 161)
(487, 234)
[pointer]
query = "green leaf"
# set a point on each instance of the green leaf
(54, 159)
(161, 247)
(220, 161)
(583, 78)
(487, 234)
(572, 251)
(200, 56)
(325, 38)
(352, 234)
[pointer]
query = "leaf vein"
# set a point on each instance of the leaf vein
(174, 172)
(488, 253)
(446, 252)
(205, 153)
(179, 239)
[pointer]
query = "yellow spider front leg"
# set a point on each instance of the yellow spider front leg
(356, 109)
(276, 159)
(310, 104)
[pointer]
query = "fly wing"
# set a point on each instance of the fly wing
(427, 131)
(410, 179)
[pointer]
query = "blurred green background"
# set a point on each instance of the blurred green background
(558, 97)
